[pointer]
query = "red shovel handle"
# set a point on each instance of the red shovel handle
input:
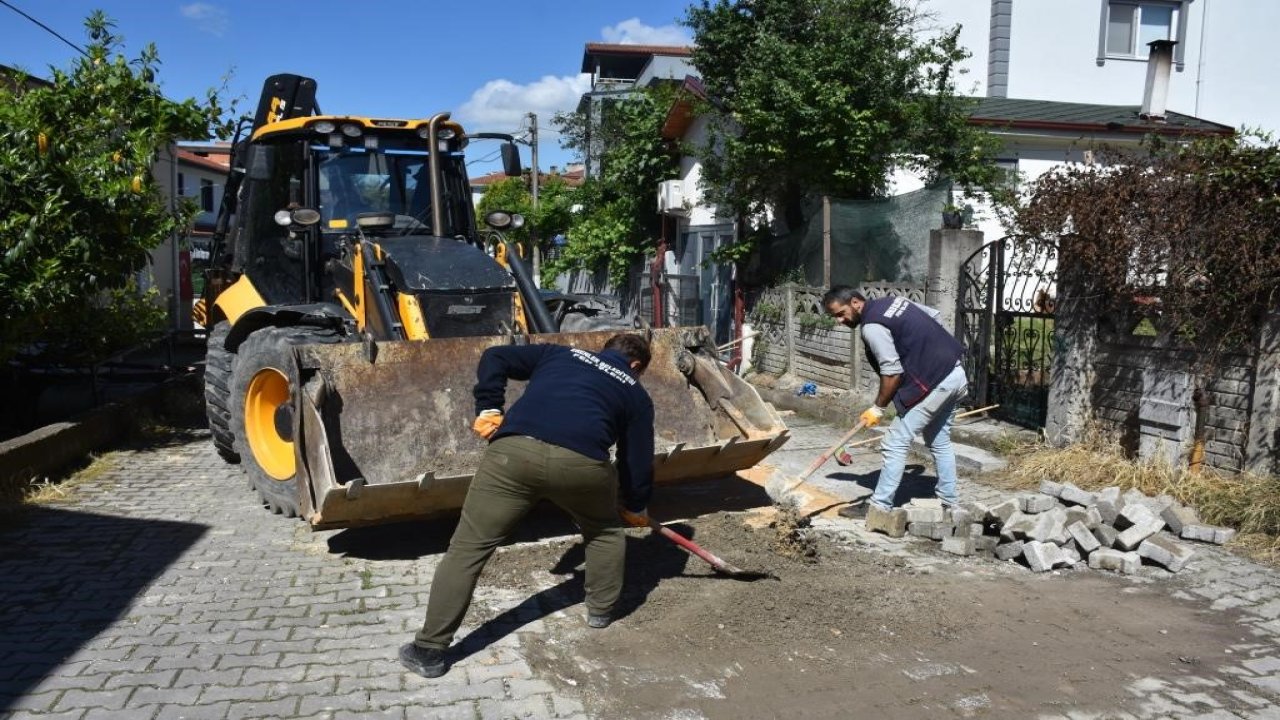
(692, 547)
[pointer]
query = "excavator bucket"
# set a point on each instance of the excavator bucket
(383, 430)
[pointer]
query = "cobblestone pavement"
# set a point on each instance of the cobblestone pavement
(162, 591)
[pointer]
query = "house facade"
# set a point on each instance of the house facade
(193, 172)
(1095, 51)
(689, 290)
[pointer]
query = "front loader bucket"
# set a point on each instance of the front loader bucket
(383, 430)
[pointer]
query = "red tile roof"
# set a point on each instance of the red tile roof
(216, 162)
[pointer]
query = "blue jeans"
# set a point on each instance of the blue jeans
(932, 418)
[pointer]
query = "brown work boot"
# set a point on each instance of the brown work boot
(855, 511)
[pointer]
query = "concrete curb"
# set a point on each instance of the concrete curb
(55, 447)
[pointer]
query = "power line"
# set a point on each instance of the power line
(46, 28)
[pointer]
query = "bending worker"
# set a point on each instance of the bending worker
(918, 362)
(554, 445)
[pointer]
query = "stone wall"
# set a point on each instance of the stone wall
(1143, 387)
(1123, 368)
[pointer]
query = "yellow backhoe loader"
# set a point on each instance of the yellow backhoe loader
(349, 297)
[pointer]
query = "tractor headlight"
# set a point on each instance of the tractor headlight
(324, 127)
(351, 130)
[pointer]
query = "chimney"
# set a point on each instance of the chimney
(1159, 64)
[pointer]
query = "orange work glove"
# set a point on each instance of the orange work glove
(637, 520)
(487, 423)
(871, 416)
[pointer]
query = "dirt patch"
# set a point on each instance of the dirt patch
(848, 633)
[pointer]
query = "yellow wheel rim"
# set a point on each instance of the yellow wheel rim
(268, 390)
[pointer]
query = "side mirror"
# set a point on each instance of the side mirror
(503, 220)
(304, 217)
(511, 160)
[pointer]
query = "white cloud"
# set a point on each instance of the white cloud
(209, 18)
(500, 105)
(634, 32)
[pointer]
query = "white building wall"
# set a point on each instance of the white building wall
(691, 175)
(1054, 50)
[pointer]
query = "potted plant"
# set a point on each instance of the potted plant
(952, 216)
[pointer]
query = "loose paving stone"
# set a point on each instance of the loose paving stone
(929, 530)
(1009, 550)
(1166, 552)
(1106, 535)
(925, 515)
(1037, 503)
(1110, 503)
(1050, 488)
(1126, 563)
(958, 545)
(1133, 536)
(1177, 517)
(1002, 512)
(889, 522)
(985, 543)
(1018, 526)
(1049, 527)
(1070, 555)
(1206, 533)
(1083, 538)
(1075, 496)
(1041, 556)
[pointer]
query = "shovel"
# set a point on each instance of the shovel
(822, 459)
(716, 563)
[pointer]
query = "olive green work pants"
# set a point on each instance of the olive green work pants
(515, 473)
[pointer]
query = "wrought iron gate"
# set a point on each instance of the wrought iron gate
(1005, 322)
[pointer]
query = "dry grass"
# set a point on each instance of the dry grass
(1247, 502)
(44, 491)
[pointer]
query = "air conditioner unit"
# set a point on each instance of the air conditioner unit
(671, 198)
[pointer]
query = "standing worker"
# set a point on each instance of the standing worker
(918, 362)
(554, 445)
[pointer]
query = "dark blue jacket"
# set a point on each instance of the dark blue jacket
(581, 401)
(928, 352)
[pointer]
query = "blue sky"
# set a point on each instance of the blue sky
(488, 62)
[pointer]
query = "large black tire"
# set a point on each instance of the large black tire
(265, 379)
(218, 366)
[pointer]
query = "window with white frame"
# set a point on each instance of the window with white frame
(1131, 24)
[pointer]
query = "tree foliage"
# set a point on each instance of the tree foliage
(512, 194)
(829, 96)
(1187, 235)
(618, 220)
(79, 209)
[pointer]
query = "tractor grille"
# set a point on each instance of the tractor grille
(466, 314)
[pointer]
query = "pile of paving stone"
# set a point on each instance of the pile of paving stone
(1060, 526)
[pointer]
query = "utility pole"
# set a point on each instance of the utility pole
(533, 228)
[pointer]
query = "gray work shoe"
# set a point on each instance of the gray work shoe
(598, 621)
(427, 662)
